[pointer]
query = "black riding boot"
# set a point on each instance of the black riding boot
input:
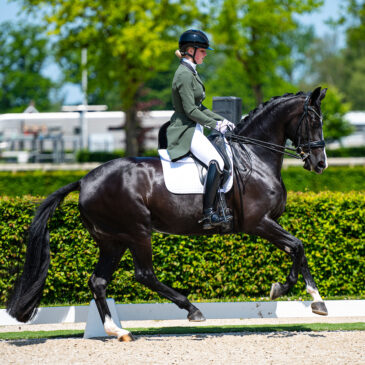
(211, 218)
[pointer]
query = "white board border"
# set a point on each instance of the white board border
(217, 310)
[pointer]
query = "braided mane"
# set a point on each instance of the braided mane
(248, 118)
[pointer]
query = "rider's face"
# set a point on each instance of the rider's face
(199, 54)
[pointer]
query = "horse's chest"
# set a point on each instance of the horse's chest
(276, 197)
(267, 193)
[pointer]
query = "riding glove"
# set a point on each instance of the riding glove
(223, 125)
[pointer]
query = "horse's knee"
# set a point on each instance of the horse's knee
(145, 277)
(98, 286)
(297, 249)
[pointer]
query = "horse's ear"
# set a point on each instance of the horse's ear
(314, 98)
(323, 94)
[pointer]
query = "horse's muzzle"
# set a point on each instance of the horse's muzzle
(316, 163)
(320, 167)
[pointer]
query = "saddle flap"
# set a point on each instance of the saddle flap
(184, 176)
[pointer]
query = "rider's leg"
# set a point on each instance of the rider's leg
(202, 149)
(211, 218)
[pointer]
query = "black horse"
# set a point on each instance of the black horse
(122, 201)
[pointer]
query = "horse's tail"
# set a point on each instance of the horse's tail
(28, 289)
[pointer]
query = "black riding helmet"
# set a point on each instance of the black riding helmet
(193, 38)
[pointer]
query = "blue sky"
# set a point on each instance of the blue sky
(10, 11)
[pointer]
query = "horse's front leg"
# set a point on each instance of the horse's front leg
(318, 305)
(272, 231)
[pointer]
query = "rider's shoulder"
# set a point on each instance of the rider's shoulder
(183, 74)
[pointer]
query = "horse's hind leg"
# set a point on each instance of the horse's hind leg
(110, 255)
(144, 273)
(273, 232)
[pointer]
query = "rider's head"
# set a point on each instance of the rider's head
(193, 44)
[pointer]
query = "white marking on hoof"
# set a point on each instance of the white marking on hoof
(113, 330)
(274, 288)
(314, 293)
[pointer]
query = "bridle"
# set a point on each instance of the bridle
(302, 150)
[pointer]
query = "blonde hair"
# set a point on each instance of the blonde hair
(178, 54)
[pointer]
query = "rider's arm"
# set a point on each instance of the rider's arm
(211, 114)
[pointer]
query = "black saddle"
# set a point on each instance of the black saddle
(162, 138)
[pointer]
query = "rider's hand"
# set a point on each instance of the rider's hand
(231, 126)
(224, 125)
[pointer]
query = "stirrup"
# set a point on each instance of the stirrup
(211, 220)
(226, 214)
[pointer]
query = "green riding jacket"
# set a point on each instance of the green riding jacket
(187, 97)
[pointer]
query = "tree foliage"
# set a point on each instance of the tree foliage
(353, 82)
(344, 67)
(334, 109)
(253, 32)
(259, 47)
(128, 42)
(23, 55)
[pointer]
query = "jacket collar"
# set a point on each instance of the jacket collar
(190, 65)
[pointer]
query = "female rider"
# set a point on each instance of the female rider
(185, 132)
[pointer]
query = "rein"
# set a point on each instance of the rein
(302, 150)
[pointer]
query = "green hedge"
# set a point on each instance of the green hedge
(35, 182)
(331, 226)
(346, 152)
(87, 156)
(295, 178)
(336, 178)
(103, 156)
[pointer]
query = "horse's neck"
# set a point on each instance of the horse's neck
(269, 125)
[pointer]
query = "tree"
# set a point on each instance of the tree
(229, 79)
(343, 68)
(128, 42)
(334, 109)
(356, 25)
(23, 55)
(253, 32)
(353, 82)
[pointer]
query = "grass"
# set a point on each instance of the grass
(305, 327)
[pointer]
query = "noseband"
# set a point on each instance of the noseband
(302, 150)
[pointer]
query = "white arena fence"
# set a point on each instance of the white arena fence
(218, 310)
(288, 162)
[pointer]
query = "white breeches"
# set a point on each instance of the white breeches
(203, 150)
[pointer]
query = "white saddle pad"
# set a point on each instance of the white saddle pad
(182, 176)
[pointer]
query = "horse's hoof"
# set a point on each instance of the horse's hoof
(319, 308)
(126, 338)
(196, 316)
(275, 291)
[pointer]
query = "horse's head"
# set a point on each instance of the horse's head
(308, 137)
